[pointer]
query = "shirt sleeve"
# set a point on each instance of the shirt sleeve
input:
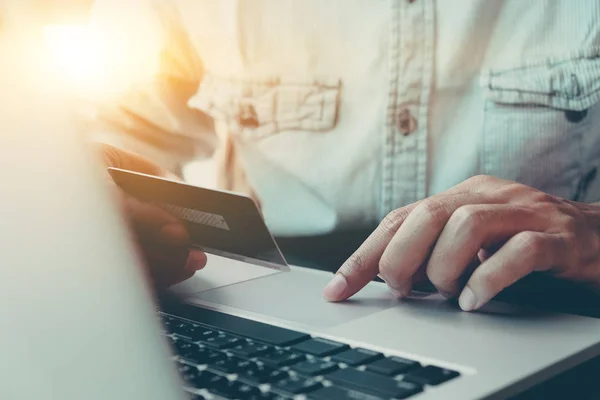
(151, 69)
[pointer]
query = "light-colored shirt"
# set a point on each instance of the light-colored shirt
(333, 113)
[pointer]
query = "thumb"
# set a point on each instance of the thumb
(123, 159)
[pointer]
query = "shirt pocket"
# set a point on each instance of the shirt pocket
(537, 122)
(254, 108)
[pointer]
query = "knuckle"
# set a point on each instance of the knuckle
(543, 208)
(479, 179)
(467, 218)
(480, 183)
(432, 210)
(570, 224)
(393, 220)
(540, 198)
(530, 242)
(356, 262)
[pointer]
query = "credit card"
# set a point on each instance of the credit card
(219, 222)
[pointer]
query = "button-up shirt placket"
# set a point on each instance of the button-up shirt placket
(411, 57)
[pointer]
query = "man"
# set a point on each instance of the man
(335, 115)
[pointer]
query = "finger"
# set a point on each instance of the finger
(118, 158)
(170, 265)
(166, 264)
(522, 254)
(152, 226)
(158, 254)
(140, 211)
(151, 218)
(363, 265)
(411, 246)
(174, 278)
(197, 260)
(484, 254)
(470, 229)
(174, 234)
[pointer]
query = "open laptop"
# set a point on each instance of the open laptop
(79, 323)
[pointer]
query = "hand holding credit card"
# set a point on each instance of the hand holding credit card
(222, 223)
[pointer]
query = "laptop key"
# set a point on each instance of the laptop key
(167, 323)
(356, 357)
(297, 385)
(221, 341)
(430, 375)
(315, 367)
(320, 347)
(195, 333)
(179, 326)
(374, 384)
(392, 366)
(255, 330)
(185, 368)
(208, 380)
(337, 393)
(234, 390)
(244, 391)
(182, 347)
(203, 356)
(229, 365)
(282, 358)
(251, 349)
(213, 356)
(267, 396)
(200, 332)
(187, 373)
(258, 374)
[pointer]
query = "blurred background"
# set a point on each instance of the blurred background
(69, 39)
(82, 57)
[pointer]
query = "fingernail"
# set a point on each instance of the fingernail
(194, 266)
(396, 293)
(191, 268)
(447, 295)
(199, 260)
(336, 288)
(405, 289)
(467, 300)
(401, 291)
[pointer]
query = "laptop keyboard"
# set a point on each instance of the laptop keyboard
(235, 358)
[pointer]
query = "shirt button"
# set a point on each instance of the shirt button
(247, 117)
(407, 124)
(575, 116)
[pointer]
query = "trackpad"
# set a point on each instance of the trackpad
(297, 297)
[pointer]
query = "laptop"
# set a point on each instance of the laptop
(79, 322)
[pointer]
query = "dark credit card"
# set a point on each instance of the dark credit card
(222, 223)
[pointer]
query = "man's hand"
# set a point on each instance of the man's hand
(474, 240)
(162, 239)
